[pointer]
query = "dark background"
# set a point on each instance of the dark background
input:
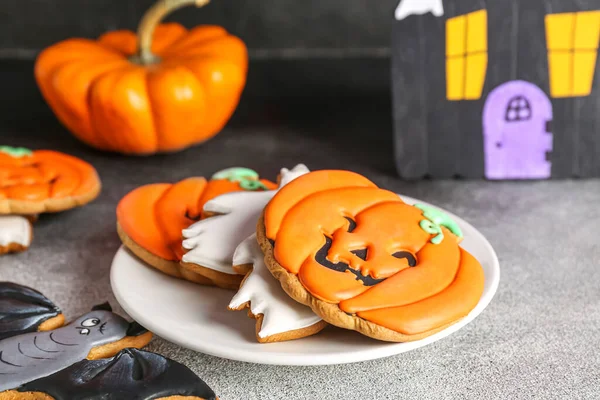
(271, 28)
(314, 45)
(319, 77)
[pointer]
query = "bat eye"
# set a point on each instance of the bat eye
(90, 322)
(84, 331)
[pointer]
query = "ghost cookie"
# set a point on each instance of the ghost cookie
(362, 259)
(131, 374)
(211, 242)
(150, 218)
(16, 233)
(278, 317)
(33, 182)
(32, 355)
(24, 310)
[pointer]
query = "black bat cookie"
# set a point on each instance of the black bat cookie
(93, 357)
(28, 352)
(132, 374)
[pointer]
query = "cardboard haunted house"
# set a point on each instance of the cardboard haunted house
(501, 89)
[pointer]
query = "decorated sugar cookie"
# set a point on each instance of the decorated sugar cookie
(278, 317)
(131, 374)
(24, 310)
(150, 218)
(16, 233)
(362, 259)
(39, 181)
(211, 242)
(34, 344)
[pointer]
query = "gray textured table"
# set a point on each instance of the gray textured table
(539, 338)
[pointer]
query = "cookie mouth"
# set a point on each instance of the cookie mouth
(321, 258)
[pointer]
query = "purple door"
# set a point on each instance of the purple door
(516, 132)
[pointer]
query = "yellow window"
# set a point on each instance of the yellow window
(466, 55)
(572, 41)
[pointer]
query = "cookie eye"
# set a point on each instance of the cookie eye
(90, 322)
(352, 224)
(412, 261)
(362, 254)
(84, 331)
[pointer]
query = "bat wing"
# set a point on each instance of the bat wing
(132, 373)
(23, 310)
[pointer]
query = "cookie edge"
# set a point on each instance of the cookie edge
(278, 337)
(11, 206)
(330, 312)
(167, 267)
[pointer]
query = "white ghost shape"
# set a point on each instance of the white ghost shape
(264, 293)
(15, 229)
(211, 242)
(409, 7)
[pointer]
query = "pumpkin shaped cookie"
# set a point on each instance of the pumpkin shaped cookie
(33, 182)
(364, 260)
(150, 220)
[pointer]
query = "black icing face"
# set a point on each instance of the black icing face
(321, 258)
(367, 280)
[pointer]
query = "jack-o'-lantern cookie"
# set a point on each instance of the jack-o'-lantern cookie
(362, 259)
(16, 233)
(150, 220)
(33, 182)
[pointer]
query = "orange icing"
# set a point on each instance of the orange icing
(45, 175)
(319, 180)
(153, 216)
(449, 305)
(370, 273)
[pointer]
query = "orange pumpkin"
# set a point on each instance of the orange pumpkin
(353, 244)
(162, 91)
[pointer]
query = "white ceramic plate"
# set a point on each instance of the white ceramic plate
(196, 316)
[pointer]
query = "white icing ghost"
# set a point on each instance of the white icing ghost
(280, 313)
(211, 242)
(409, 7)
(15, 229)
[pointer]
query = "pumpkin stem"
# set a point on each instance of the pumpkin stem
(150, 21)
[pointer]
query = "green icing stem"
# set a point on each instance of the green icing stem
(247, 178)
(251, 184)
(435, 220)
(15, 151)
(236, 174)
(432, 229)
